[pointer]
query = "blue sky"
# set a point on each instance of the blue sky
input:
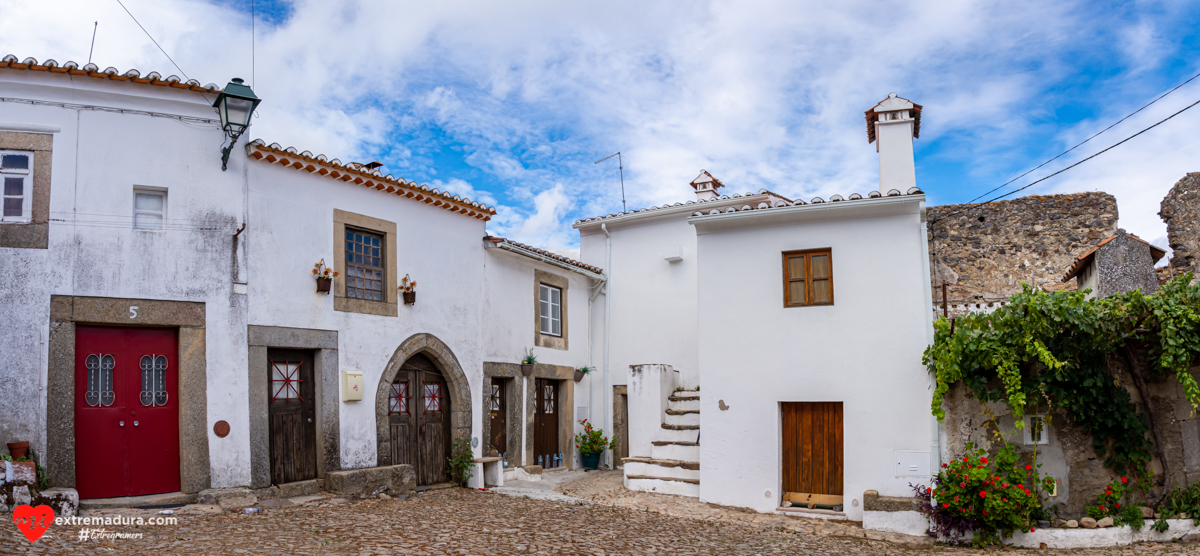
(511, 103)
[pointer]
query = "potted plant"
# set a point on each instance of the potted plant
(528, 362)
(324, 276)
(18, 449)
(582, 372)
(591, 444)
(408, 288)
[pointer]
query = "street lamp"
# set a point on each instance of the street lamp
(235, 104)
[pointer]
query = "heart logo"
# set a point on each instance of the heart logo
(34, 522)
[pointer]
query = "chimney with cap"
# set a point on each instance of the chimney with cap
(892, 125)
(706, 186)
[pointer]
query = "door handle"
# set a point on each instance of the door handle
(135, 423)
(310, 419)
(122, 423)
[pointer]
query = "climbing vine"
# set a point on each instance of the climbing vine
(1053, 348)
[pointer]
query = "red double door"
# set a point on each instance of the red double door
(126, 412)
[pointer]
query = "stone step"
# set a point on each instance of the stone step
(684, 405)
(677, 435)
(692, 418)
(645, 467)
(695, 427)
(682, 411)
(662, 486)
(684, 395)
(684, 451)
(670, 463)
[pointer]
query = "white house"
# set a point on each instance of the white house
(164, 331)
(768, 350)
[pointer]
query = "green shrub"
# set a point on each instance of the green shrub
(998, 497)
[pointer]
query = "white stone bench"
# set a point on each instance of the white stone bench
(489, 472)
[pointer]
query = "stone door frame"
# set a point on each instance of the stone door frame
(188, 317)
(566, 410)
(324, 345)
(515, 399)
(456, 383)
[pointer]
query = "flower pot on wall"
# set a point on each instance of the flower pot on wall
(18, 450)
(578, 375)
(526, 370)
(323, 284)
(410, 298)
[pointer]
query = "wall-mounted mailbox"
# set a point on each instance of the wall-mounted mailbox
(673, 254)
(352, 386)
(912, 463)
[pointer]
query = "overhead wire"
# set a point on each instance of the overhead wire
(160, 48)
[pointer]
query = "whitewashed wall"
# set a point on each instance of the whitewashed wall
(864, 351)
(508, 324)
(98, 158)
(291, 228)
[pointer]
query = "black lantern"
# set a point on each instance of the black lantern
(235, 104)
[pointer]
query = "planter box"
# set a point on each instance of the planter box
(410, 298)
(323, 284)
(526, 370)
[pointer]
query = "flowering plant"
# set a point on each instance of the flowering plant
(591, 440)
(321, 271)
(407, 285)
(990, 498)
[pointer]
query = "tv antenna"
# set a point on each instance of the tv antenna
(93, 47)
(621, 167)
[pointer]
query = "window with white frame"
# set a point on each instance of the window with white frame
(149, 209)
(1036, 430)
(16, 170)
(550, 310)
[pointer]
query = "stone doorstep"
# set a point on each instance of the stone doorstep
(674, 443)
(684, 398)
(818, 513)
(682, 411)
(173, 498)
(695, 466)
(678, 480)
(873, 502)
(681, 427)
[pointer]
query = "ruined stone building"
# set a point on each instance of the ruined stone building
(1180, 209)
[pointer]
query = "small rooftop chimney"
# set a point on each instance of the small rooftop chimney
(892, 125)
(706, 186)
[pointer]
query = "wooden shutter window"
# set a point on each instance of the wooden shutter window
(807, 278)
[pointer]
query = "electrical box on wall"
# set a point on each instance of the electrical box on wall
(912, 463)
(352, 386)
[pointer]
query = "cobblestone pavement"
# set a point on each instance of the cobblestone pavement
(460, 521)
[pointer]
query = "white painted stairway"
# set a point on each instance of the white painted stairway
(674, 463)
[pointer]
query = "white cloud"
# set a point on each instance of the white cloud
(765, 93)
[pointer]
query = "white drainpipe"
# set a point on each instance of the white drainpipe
(607, 321)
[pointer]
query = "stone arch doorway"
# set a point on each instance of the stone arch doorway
(422, 374)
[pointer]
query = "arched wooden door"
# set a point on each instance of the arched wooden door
(419, 420)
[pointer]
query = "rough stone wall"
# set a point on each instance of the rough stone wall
(984, 252)
(1125, 264)
(1180, 209)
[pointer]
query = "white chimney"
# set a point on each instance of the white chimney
(706, 186)
(892, 125)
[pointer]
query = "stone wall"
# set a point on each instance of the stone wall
(1180, 209)
(984, 252)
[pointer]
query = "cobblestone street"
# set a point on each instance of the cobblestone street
(459, 521)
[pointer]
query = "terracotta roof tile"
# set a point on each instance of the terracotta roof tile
(1085, 259)
(680, 204)
(814, 201)
(92, 70)
(362, 175)
(545, 253)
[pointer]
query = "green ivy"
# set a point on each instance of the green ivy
(1051, 348)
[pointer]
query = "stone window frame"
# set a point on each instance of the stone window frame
(35, 233)
(387, 308)
(26, 176)
(563, 284)
(550, 303)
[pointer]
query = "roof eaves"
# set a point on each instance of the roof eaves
(361, 175)
(92, 70)
(635, 213)
(529, 250)
(815, 201)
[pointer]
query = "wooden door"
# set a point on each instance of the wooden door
(402, 420)
(498, 413)
(812, 451)
(545, 423)
(292, 412)
(433, 430)
(126, 412)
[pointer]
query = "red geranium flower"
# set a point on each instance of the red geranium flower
(984, 460)
(1027, 492)
(983, 494)
(1031, 529)
(943, 466)
(1028, 467)
(1124, 480)
(945, 504)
